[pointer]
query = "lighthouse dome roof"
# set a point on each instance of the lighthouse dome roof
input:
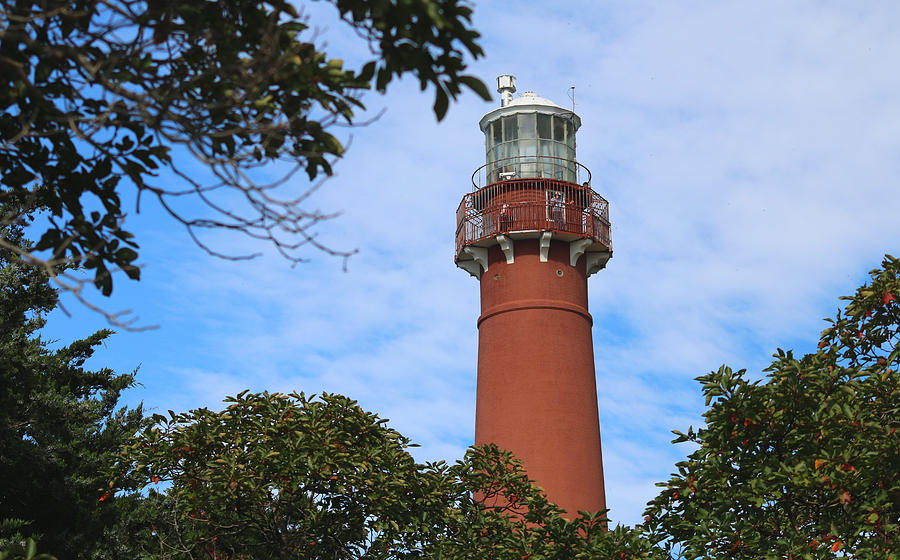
(528, 102)
(531, 98)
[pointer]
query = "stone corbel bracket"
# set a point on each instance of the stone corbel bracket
(594, 261)
(479, 262)
(544, 245)
(506, 245)
(577, 248)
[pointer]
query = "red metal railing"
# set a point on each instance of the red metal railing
(532, 204)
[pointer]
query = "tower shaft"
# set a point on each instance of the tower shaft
(537, 394)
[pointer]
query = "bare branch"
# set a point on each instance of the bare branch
(57, 270)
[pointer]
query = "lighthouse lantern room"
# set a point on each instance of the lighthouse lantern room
(531, 185)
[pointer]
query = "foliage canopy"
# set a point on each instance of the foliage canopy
(283, 475)
(291, 476)
(60, 428)
(807, 463)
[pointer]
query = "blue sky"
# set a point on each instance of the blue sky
(750, 152)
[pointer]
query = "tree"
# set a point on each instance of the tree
(807, 463)
(291, 476)
(277, 476)
(99, 94)
(59, 426)
(498, 512)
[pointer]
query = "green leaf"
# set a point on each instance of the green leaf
(477, 86)
(441, 103)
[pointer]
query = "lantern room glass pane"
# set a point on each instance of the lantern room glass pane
(510, 128)
(547, 148)
(528, 147)
(547, 161)
(559, 129)
(570, 135)
(510, 149)
(526, 125)
(496, 132)
(543, 126)
(559, 150)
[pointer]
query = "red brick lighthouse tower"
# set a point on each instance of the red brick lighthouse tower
(532, 231)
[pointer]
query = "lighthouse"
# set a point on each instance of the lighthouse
(532, 231)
